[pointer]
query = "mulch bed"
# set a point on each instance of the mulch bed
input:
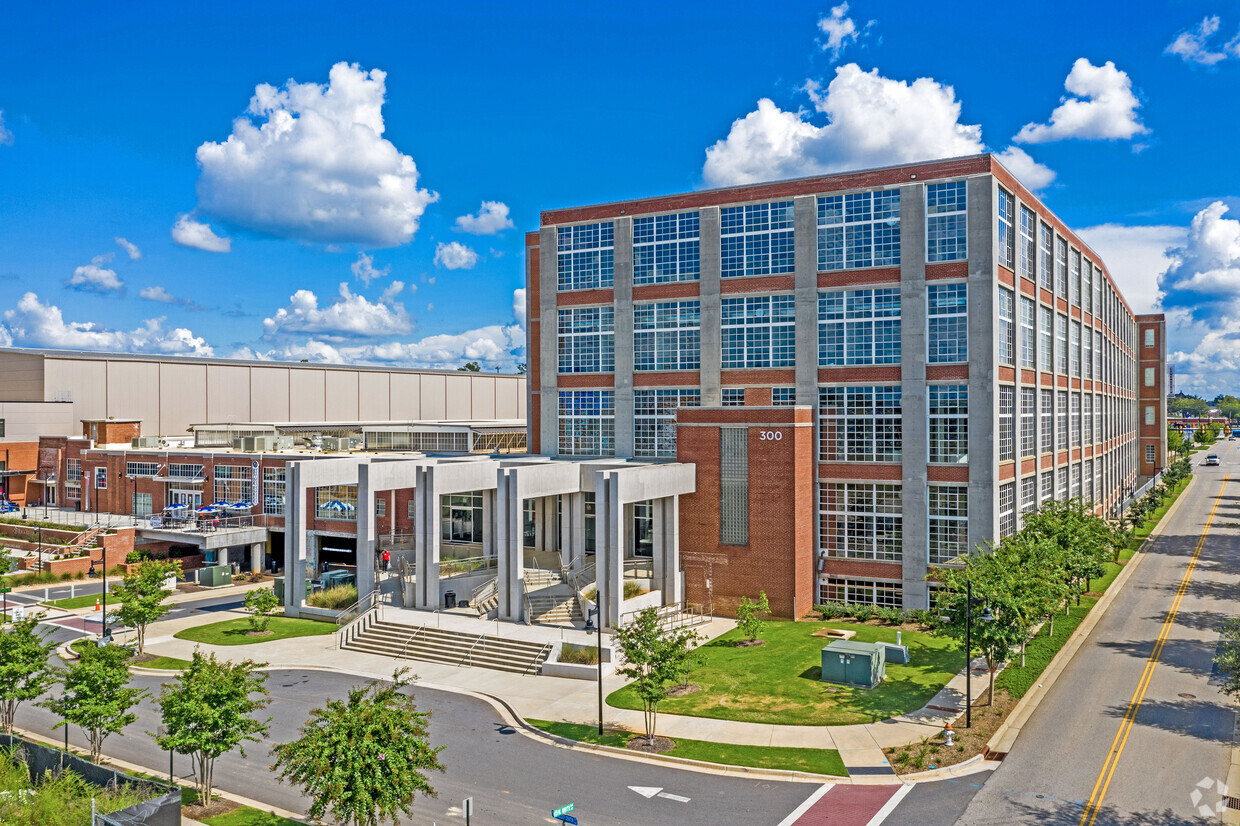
(219, 806)
(968, 741)
(259, 633)
(683, 690)
(748, 643)
(642, 744)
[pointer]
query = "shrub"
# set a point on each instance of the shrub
(832, 610)
(920, 616)
(335, 599)
(890, 616)
(579, 654)
(863, 613)
(749, 615)
(632, 589)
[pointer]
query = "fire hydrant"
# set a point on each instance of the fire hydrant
(948, 734)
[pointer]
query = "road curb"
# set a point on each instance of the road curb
(1004, 738)
(974, 765)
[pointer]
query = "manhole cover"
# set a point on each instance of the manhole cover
(1189, 696)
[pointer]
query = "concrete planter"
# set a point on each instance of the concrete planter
(575, 671)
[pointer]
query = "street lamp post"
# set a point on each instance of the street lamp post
(598, 642)
(968, 648)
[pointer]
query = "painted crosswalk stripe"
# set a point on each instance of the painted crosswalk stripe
(890, 806)
(805, 805)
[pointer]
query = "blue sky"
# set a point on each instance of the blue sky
(118, 122)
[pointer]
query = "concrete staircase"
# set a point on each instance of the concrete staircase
(436, 645)
(555, 606)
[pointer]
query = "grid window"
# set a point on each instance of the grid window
(948, 508)
(654, 419)
(1061, 344)
(1007, 423)
(586, 337)
(860, 229)
(141, 468)
(234, 483)
(1046, 352)
(586, 256)
(733, 397)
(1028, 243)
(1028, 494)
(862, 592)
(947, 337)
(666, 249)
(338, 502)
(273, 491)
(1087, 286)
(947, 222)
(1150, 454)
(756, 239)
(1007, 327)
(667, 335)
(1088, 490)
(1061, 419)
(861, 521)
(1061, 268)
(1074, 349)
(949, 422)
(1075, 422)
(1074, 278)
(1046, 275)
(860, 424)
(859, 327)
(783, 396)
(1074, 491)
(1007, 509)
(460, 516)
(141, 504)
(1048, 486)
(1028, 338)
(73, 471)
(380, 507)
(734, 486)
(587, 423)
(758, 331)
(1087, 417)
(1028, 420)
(1007, 241)
(182, 471)
(1087, 353)
(1048, 421)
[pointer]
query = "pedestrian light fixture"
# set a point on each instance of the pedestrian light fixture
(986, 616)
(598, 642)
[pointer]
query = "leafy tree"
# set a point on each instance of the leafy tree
(1228, 406)
(1188, 406)
(470, 367)
(684, 655)
(261, 604)
(1175, 441)
(521, 368)
(1204, 435)
(141, 595)
(25, 667)
(207, 712)
(1228, 657)
(1038, 586)
(1084, 541)
(97, 695)
(749, 615)
(363, 758)
(649, 659)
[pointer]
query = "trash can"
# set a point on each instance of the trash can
(449, 599)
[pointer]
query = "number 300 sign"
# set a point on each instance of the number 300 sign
(770, 436)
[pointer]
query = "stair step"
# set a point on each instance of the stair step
(450, 647)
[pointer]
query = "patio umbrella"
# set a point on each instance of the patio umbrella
(208, 509)
(334, 505)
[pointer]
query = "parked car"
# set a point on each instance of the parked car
(1211, 459)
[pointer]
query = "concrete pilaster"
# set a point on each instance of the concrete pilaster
(805, 240)
(548, 370)
(256, 557)
(295, 543)
(365, 532)
(983, 362)
(623, 292)
(711, 305)
(915, 451)
(667, 549)
(510, 545)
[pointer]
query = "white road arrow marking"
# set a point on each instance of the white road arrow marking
(647, 791)
(675, 797)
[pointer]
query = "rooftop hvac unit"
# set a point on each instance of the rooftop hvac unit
(141, 442)
(334, 443)
(240, 443)
(284, 442)
(263, 443)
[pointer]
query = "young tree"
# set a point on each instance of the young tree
(644, 659)
(141, 595)
(363, 758)
(1084, 541)
(1036, 587)
(683, 655)
(25, 667)
(261, 604)
(1228, 657)
(97, 695)
(207, 712)
(749, 615)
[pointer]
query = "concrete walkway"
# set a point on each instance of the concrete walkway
(567, 700)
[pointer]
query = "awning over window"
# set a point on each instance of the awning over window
(184, 480)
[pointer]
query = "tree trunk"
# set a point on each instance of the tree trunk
(141, 629)
(990, 696)
(1051, 632)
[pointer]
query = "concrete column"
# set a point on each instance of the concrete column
(547, 344)
(426, 594)
(256, 557)
(805, 239)
(510, 545)
(712, 313)
(365, 532)
(295, 541)
(667, 549)
(983, 363)
(915, 451)
(488, 523)
(623, 298)
(574, 526)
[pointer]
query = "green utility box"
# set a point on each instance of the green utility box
(334, 579)
(277, 585)
(215, 575)
(862, 664)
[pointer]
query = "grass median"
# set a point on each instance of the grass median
(815, 761)
(84, 601)
(237, 631)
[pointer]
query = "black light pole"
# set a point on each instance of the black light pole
(968, 649)
(598, 642)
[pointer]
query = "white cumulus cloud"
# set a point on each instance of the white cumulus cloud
(190, 233)
(35, 324)
(492, 219)
(158, 294)
(1104, 107)
(455, 256)
(6, 137)
(310, 161)
(130, 248)
(1136, 257)
(1204, 277)
(1029, 172)
(518, 305)
(364, 269)
(1192, 45)
(840, 30)
(349, 315)
(95, 277)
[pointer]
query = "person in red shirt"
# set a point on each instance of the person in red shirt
(387, 558)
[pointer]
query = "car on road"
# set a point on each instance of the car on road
(1211, 459)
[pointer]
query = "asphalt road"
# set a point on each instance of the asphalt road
(1137, 736)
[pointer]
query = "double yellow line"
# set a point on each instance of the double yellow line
(1094, 805)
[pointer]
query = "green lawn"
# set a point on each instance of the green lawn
(1042, 649)
(69, 603)
(817, 761)
(165, 664)
(232, 631)
(248, 816)
(778, 682)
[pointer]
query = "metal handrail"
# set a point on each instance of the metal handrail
(477, 595)
(471, 565)
(417, 630)
(635, 564)
(469, 655)
(579, 577)
(345, 621)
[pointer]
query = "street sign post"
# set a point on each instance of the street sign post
(467, 807)
(563, 810)
(4, 612)
(569, 819)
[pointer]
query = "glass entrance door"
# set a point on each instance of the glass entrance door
(192, 498)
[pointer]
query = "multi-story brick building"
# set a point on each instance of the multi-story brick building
(957, 352)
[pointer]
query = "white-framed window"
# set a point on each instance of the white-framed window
(1028, 494)
(862, 592)
(73, 471)
(587, 339)
(141, 468)
(1087, 286)
(1007, 509)
(101, 477)
(947, 307)
(1150, 454)
(587, 423)
(1006, 236)
(783, 396)
(1061, 268)
(184, 471)
(273, 491)
(234, 483)
(1007, 422)
(380, 506)
(667, 335)
(1047, 484)
(654, 418)
(947, 222)
(1061, 419)
(1074, 492)
(759, 331)
(142, 503)
(586, 256)
(733, 397)
(948, 508)
(1028, 422)
(949, 422)
(1046, 350)
(1046, 274)
(1075, 422)
(1061, 483)
(1028, 335)
(1074, 278)
(756, 239)
(860, 424)
(1028, 243)
(338, 502)
(859, 229)
(1087, 418)
(1074, 349)
(666, 248)
(859, 327)
(1149, 336)
(1048, 422)
(1061, 343)
(1007, 327)
(1149, 414)
(861, 521)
